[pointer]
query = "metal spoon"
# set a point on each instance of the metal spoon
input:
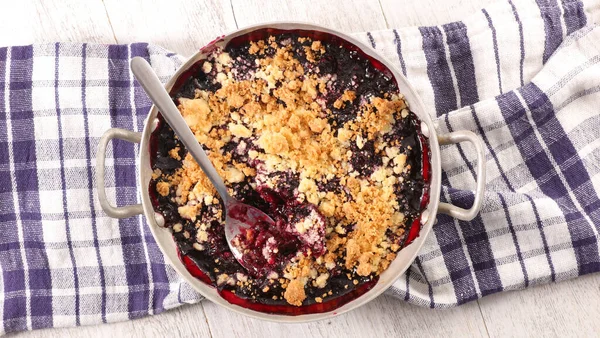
(238, 215)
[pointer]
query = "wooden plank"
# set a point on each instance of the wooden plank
(186, 321)
(344, 15)
(383, 317)
(182, 26)
(30, 21)
(564, 309)
(405, 13)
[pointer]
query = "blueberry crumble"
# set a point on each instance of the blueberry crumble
(316, 134)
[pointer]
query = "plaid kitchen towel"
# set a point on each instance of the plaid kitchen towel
(523, 75)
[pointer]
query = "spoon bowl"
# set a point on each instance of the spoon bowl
(239, 218)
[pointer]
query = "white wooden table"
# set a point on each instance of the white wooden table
(566, 309)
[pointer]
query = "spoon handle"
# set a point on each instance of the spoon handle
(157, 93)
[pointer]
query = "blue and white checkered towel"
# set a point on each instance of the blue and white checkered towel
(508, 73)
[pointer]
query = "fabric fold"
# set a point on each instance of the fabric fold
(541, 211)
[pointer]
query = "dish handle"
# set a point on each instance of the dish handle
(452, 210)
(109, 209)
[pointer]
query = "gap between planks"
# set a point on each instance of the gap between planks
(109, 22)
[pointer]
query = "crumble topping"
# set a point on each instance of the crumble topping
(294, 293)
(163, 188)
(280, 124)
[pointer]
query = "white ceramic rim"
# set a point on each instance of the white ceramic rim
(405, 256)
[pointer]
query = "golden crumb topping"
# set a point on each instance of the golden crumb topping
(277, 120)
(294, 293)
(163, 188)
